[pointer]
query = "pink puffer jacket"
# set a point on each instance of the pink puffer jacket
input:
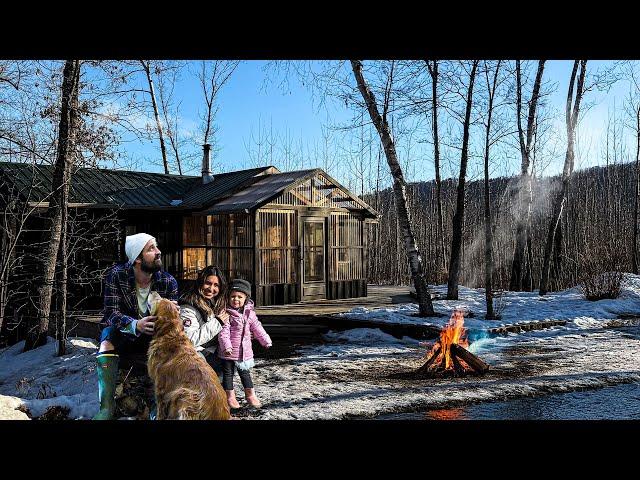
(231, 336)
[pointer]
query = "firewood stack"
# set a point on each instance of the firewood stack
(448, 357)
(463, 362)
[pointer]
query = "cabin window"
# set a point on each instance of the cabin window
(194, 241)
(346, 247)
(278, 246)
(194, 230)
(230, 242)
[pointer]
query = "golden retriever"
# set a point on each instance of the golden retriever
(186, 387)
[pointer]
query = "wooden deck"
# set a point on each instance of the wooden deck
(301, 319)
(308, 319)
(320, 316)
(379, 296)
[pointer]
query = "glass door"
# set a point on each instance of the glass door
(313, 259)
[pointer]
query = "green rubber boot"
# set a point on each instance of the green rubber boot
(107, 379)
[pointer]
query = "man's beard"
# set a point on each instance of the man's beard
(154, 267)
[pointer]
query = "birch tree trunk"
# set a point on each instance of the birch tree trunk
(146, 65)
(558, 203)
(399, 191)
(59, 198)
(525, 191)
(458, 218)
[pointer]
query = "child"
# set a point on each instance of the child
(235, 342)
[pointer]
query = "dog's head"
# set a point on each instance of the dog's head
(152, 302)
(168, 319)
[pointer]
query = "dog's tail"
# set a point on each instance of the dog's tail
(183, 404)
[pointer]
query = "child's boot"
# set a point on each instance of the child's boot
(252, 399)
(231, 399)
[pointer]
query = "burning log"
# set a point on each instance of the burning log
(425, 368)
(457, 366)
(448, 355)
(469, 358)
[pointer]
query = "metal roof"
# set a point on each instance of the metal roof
(222, 185)
(263, 190)
(126, 189)
(228, 192)
(270, 187)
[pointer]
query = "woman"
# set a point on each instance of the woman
(202, 310)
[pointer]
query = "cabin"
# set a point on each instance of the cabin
(296, 236)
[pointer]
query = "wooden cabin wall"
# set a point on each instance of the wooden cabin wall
(167, 230)
(277, 258)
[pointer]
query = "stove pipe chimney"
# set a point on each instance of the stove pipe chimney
(206, 165)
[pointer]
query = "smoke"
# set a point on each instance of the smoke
(505, 210)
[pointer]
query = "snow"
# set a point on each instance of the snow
(518, 307)
(40, 379)
(358, 373)
(339, 380)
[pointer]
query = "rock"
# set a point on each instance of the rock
(9, 409)
(55, 412)
(128, 406)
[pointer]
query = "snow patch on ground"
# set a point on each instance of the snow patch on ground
(40, 379)
(351, 380)
(516, 307)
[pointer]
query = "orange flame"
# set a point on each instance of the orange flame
(453, 332)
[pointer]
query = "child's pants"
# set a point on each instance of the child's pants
(228, 368)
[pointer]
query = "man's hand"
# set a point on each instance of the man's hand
(146, 324)
(224, 316)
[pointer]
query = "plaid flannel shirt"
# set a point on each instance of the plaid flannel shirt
(120, 302)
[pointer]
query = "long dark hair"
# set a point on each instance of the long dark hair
(193, 294)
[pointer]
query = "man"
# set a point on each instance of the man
(127, 326)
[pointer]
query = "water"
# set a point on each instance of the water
(621, 402)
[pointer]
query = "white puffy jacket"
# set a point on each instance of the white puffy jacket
(200, 330)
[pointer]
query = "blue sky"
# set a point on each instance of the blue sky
(248, 100)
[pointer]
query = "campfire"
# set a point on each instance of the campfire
(449, 356)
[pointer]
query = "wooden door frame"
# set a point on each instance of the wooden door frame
(312, 217)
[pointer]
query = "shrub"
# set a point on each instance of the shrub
(603, 285)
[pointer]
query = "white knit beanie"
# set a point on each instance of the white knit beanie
(134, 244)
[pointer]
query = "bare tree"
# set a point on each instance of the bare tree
(440, 248)
(632, 108)
(571, 115)
(458, 218)
(146, 66)
(488, 249)
(399, 185)
(525, 199)
(213, 75)
(59, 200)
(170, 112)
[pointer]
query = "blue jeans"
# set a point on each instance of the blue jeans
(125, 342)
